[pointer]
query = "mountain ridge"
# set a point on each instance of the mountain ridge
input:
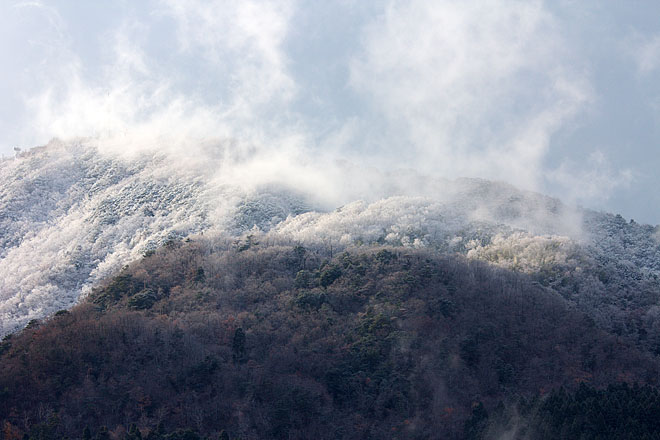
(71, 215)
(266, 339)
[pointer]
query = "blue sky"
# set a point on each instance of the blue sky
(561, 97)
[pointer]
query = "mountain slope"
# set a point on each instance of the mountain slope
(71, 215)
(265, 340)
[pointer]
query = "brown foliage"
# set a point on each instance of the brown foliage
(391, 341)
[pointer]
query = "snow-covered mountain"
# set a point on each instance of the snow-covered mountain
(71, 215)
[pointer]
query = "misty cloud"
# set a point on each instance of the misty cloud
(646, 52)
(468, 88)
(596, 183)
(447, 89)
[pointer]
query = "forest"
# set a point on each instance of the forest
(247, 339)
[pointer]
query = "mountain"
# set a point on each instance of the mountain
(174, 297)
(72, 214)
(69, 216)
(266, 340)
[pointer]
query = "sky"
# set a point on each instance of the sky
(561, 97)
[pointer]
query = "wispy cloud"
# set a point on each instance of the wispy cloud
(446, 88)
(593, 182)
(138, 103)
(471, 88)
(242, 40)
(645, 51)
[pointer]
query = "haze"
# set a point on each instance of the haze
(559, 97)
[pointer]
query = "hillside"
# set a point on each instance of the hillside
(72, 215)
(165, 297)
(267, 340)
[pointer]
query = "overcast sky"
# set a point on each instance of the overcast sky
(562, 97)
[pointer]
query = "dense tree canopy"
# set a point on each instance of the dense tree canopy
(260, 340)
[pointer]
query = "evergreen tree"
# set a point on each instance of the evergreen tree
(133, 433)
(103, 434)
(238, 345)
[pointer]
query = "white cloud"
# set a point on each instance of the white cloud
(245, 37)
(137, 102)
(646, 52)
(593, 182)
(475, 88)
(452, 89)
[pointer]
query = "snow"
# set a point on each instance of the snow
(70, 216)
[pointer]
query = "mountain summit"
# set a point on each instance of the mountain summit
(71, 215)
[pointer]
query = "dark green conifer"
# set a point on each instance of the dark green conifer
(102, 434)
(133, 433)
(238, 345)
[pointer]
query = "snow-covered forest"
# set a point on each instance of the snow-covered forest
(72, 215)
